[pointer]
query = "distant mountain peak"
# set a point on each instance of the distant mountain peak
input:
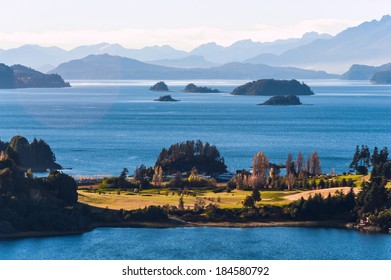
(386, 18)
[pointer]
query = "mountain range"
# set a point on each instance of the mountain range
(106, 66)
(367, 44)
(206, 55)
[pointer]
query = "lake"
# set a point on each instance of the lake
(100, 127)
(275, 243)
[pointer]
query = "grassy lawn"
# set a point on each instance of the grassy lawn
(129, 200)
(114, 199)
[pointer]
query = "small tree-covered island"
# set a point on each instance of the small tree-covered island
(166, 98)
(271, 87)
(189, 185)
(19, 76)
(196, 89)
(282, 101)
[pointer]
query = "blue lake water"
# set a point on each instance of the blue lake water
(101, 127)
(204, 243)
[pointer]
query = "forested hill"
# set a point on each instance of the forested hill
(36, 155)
(271, 87)
(19, 76)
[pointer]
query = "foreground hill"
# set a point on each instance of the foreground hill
(19, 76)
(116, 67)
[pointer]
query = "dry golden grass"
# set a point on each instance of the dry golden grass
(323, 192)
(128, 201)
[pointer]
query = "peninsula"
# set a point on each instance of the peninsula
(19, 76)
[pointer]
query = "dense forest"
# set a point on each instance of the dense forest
(19, 76)
(38, 204)
(36, 155)
(183, 157)
(271, 87)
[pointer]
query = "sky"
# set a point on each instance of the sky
(183, 24)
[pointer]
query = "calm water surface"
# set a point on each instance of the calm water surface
(100, 127)
(204, 243)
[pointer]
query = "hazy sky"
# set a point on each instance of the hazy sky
(183, 24)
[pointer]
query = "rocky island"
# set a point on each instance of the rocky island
(282, 100)
(160, 86)
(193, 88)
(271, 87)
(166, 98)
(19, 76)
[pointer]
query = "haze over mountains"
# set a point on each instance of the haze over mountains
(105, 66)
(368, 43)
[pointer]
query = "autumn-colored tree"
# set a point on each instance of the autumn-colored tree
(260, 170)
(158, 176)
(290, 181)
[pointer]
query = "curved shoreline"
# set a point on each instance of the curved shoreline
(175, 224)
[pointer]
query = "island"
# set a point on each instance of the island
(382, 78)
(271, 87)
(19, 76)
(160, 86)
(282, 100)
(193, 88)
(166, 98)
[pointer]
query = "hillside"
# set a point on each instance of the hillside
(116, 67)
(382, 78)
(367, 43)
(19, 76)
(364, 72)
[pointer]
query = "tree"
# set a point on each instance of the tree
(300, 163)
(290, 181)
(158, 176)
(256, 195)
(248, 202)
(288, 164)
(315, 164)
(122, 182)
(64, 186)
(362, 160)
(260, 170)
(371, 198)
(181, 204)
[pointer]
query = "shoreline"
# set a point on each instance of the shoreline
(176, 224)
